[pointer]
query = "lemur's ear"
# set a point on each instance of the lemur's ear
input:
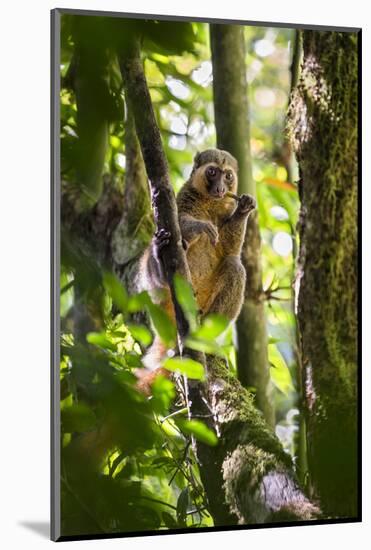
(196, 160)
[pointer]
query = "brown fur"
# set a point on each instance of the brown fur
(213, 229)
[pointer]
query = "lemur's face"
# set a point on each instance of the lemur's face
(216, 176)
(219, 179)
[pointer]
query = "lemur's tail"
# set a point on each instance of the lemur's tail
(155, 354)
(152, 361)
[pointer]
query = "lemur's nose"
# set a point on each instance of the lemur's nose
(220, 190)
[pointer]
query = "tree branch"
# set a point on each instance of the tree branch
(163, 199)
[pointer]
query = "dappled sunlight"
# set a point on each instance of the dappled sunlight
(203, 74)
(282, 243)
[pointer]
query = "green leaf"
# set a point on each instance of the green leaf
(163, 324)
(182, 505)
(77, 418)
(140, 333)
(133, 360)
(138, 302)
(279, 371)
(169, 520)
(100, 339)
(272, 340)
(206, 346)
(170, 38)
(163, 393)
(116, 290)
(199, 430)
(188, 367)
(212, 326)
(186, 298)
(164, 462)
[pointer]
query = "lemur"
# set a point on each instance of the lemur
(213, 228)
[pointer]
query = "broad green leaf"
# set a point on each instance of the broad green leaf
(279, 371)
(206, 346)
(137, 302)
(188, 367)
(163, 392)
(182, 505)
(116, 290)
(170, 428)
(133, 360)
(140, 333)
(212, 326)
(186, 298)
(100, 339)
(163, 324)
(199, 430)
(77, 418)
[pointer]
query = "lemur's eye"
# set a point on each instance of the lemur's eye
(229, 176)
(211, 172)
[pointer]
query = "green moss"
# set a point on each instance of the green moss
(323, 129)
(238, 418)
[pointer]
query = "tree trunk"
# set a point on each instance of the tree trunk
(248, 477)
(233, 134)
(324, 134)
(163, 198)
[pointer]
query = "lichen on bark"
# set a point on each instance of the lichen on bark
(323, 128)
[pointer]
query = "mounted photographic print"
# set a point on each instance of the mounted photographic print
(205, 192)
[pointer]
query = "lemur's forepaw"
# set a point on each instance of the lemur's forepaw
(161, 238)
(246, 204)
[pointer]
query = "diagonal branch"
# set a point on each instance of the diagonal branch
(163, 199)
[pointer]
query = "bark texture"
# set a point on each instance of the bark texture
(248, 477)
(233, 134)
(324, 133)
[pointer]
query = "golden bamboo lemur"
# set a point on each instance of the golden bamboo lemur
(213, 228)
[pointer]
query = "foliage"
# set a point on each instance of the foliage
(128, 462)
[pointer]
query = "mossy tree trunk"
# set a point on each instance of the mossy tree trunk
(233, 134)
(324, 132)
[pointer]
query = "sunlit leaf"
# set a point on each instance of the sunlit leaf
(199, 430)
(100, 339)
(140, 333)
(186, 298)
(188, 367)
(205, 346)
(138, 302)
(212, 326)
(116, 290)
(279, 371)
(163, 324)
